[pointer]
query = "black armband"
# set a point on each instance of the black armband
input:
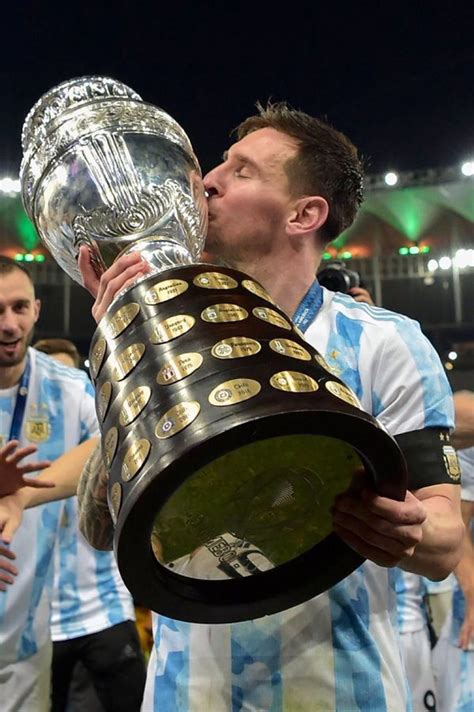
(430, 458)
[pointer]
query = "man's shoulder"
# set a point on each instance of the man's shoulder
(378, 317)
(48, 367)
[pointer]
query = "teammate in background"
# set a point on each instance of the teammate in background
(46, 405)
(93, 619)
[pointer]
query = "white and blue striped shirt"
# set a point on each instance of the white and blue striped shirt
(59, 414)
(89, 594)
(338, 651)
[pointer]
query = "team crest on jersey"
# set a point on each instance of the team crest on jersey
(452, 463)
(38, 427)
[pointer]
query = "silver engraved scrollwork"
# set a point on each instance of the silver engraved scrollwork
(103, 168)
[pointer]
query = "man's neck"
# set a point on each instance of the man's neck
(11, 375)
(286, 284)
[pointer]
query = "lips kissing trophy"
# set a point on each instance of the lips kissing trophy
(225, 434)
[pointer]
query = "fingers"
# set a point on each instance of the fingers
(7, 552)
(7, 570)
(8, 448)
(37, 484)
(409, 512)
(89, 276)
(383, 530)
(123, 274)
(10, 525)
(361, 295)
(466, 635)
(16, 455)
(368, 551)
(396, 544)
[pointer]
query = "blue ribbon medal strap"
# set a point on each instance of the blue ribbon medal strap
(20, 404)
(309, 306)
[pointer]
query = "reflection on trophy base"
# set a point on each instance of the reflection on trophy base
(226, 556)
(275, 494)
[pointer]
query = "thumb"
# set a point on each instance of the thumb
(9, 529)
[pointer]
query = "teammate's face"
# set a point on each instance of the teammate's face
(19, 312)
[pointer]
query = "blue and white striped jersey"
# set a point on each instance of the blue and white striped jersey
(340, 650)
(466, 460)
(412, 613)
(59, 414)
(89, 594)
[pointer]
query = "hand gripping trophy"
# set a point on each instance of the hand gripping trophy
(225, 434)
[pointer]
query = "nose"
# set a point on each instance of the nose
(212, 182)
(8, 322)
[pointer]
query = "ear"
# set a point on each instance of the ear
(37, 309)
(308, 215)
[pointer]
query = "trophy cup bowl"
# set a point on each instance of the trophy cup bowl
(225, 434)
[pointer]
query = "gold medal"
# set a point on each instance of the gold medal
(135, 458)
(121, 319)
(256, 289)
(97, 356)
(171, 328)
(166, 290)
(127, 360)
(286, 347)
(176, 419)
(214, 280)
(234, 391)
(236, 347)
(293, 382)
(110, 442)
(178, 368)
(134, 404)
(343, 392)
(272, 317)
(115, 498)
(218, 313)
(103, 399)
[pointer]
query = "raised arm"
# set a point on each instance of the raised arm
(63, 473)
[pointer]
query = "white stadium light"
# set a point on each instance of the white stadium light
(445, 262)
(452, 355)
(391, 178)
(9, 185)
(464, 258)
(432, 265)
(467, 168)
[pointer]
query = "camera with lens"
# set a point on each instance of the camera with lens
(338, 278)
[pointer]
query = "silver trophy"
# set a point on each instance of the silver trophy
(225, 434)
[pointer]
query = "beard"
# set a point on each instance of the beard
(6, 360)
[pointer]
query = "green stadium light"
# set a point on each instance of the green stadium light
(19, 257)
(403, 251)
(346, 255)
(29, 257)
(425, 249)
(327, 256)
(40, 258)
(414, 250)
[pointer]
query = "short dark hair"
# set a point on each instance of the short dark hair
(55, 346)
(327, 163)
(8, 265)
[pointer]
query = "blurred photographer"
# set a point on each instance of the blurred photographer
(338, 278)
